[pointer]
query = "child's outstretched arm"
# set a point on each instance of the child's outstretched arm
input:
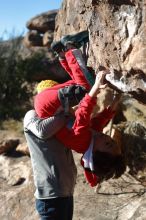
(84, 111)
(99, 84)
(103, 118)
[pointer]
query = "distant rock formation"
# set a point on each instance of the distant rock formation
(40, 36)
(41, 29)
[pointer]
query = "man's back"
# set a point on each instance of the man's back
(53, 165)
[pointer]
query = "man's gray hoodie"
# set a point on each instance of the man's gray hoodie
(53, 165)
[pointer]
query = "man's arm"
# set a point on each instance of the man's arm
(43, 128)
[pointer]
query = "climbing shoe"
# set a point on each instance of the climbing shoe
(77, 40)
(57, 47)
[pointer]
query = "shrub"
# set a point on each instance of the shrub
(15, 91)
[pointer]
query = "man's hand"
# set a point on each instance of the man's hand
(73, 109)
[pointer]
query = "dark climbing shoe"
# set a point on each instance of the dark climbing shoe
(76, 40)
(57, 47)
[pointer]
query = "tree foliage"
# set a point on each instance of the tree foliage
(14, 73)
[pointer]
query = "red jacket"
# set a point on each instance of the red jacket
(79, 137)
(46, 103)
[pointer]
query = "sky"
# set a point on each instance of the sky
(15, 13)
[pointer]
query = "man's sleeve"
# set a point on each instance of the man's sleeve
(43, 128)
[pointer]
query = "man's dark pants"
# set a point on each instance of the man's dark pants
(60, 208)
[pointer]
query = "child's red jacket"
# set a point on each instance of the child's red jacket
(78, 138)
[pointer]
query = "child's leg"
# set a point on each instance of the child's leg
(65, 65)
(79, 70)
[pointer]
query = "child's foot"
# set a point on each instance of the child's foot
(76, 40)
(57, 47)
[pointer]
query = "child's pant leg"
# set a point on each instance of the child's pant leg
(79, 70)
(65, 65)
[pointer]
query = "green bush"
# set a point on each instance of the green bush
(15, 90)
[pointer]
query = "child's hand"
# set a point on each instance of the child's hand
(99, 81)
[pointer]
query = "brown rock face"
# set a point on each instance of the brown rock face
(132, 82)
(117, 31)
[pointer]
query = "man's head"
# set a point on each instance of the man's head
(45, 84)
(107, 157)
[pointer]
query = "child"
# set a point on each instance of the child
(101, 156)
(85, 137)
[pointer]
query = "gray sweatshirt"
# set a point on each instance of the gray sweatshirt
(53, 165)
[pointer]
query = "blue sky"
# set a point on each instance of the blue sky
(15, 13)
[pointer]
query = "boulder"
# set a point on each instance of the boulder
(116, 35)
(48, 38)
(32, 39)
(16, 196)
(8, 145)
(23, 149)
(43, 22)
(132, 82)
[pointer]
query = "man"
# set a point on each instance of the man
(53, 166)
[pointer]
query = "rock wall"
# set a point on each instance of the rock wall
(117, 30)
(117, 41)
(116, 37)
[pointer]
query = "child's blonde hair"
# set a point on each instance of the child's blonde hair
(44, 84)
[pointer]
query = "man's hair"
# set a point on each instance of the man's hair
(108, 166)
(44, 84)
